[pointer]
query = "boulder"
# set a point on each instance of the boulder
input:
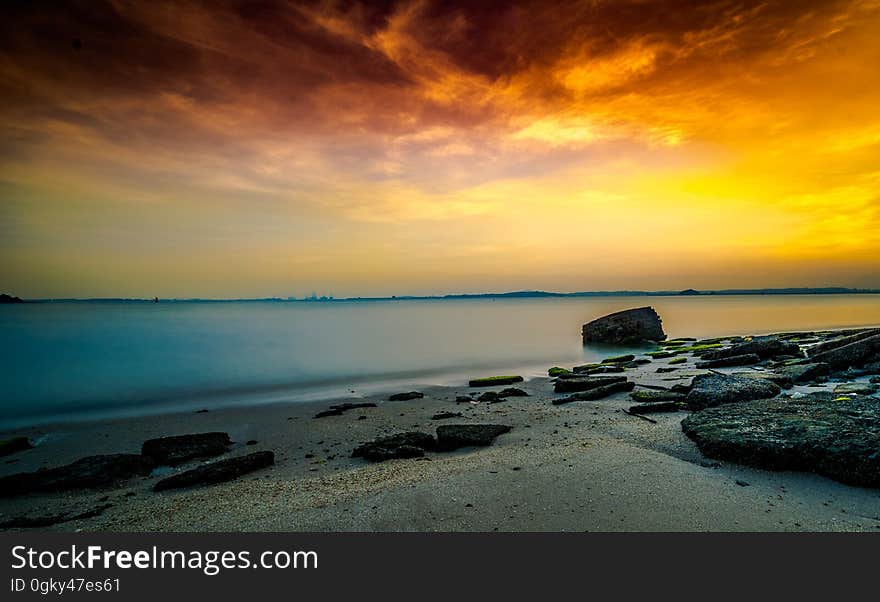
(709, 390)
(14, 444)
(815, 433)
(406, 396)
(570, 385)
(625, 327)
(597, 392)
(454, 436)
(733, 360)
(764, 347)
(856, 353)
(171, 451)
(85, 473)
(411, 444)
(218, 472)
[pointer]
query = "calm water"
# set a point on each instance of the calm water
(77, 360)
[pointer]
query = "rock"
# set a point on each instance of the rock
(620, 359)
(557, 371)
(709, 390)
(490, 397)
(446, 415)
(340, 409)
(463, 399)
(764, 347)
(4, 298)
(856, 353)
(406, 396)
(85, 473)
(171, 451)
(815, 433)
(218, 472)
(875, 380)
(571, 385)
(454, 436)
(597, 393)
(494, 381)
(625, 327)
(653, 408)
(411, 444)
(855, 389)
(801, 373)
(666, 369)
(512, 392)
(655, 396)
(733, 360)
(842, 341)
(14, 444)
(37, 522)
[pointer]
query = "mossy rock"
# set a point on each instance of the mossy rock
(678, 360)
(557, 371)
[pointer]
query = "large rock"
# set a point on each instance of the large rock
(855, 353)
(402, 445)
(218, 472)
(571, 385)
(709, 390)
(837, 439)
(625, 327)
(454, 436)
(763, 347)
(171, 451)
(85, 473)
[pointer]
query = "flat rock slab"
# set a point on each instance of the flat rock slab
(656, 396)
(856, 353)
(454, 436)
(801, 373)
(494, 381)
(13, 445)
(598, 392)
(218, 472)
(445, 415)
(654, 408)
(709, 390)
(571, 385)
(411, 444)
(855, 389)
(814, 433)
(171, 451)
(406, 396)
(764, 347)
(733, 360)
(85, 473)
(624, 327)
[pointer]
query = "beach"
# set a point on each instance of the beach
(581, 466)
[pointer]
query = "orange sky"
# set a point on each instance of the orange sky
(373, 148)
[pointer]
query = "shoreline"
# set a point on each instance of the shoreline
(580, 466)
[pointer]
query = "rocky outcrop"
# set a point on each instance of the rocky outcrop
(598, 392)
(571, 385)
(454, 436)
(85, 473)
(171, 451)
(733, 360)
(854, 353)
(787, 376)
(218, 472)
(764, 347)
(815, 433)
(13, 445)
(709, 390)
(406, 396)
(625, 327)
(402, 445)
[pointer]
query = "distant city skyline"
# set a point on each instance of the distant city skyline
(246, 150)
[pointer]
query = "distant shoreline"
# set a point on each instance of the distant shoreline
(508, 295)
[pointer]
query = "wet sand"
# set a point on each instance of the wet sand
(582, 466)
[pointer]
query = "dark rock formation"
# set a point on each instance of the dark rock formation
(445, 415)
(841, 341)
(340, 409)
(653, 408)
(799, 373)
(218, 472)
(171, 451)
(406, 396)
(402, 445)
(620, 359)
(494, 381)
(15, 444)
(709, 390)
(454, 436)
(814, 433)
(597, 392)
(733, 360)
(656, 396)
(570, 385)
(764, 347)
(85, 473)
(855, 353)
(624, 327)
(4, 298)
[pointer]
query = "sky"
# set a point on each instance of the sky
(253, 149)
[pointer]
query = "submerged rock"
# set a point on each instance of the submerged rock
(454, 436)
(171, 451)
(406, 396)
(15, 444)
(570, 385)
(218, 472)
(709, 390)
(411, 444)
(623, 327)
(85, 473)
(815, 433)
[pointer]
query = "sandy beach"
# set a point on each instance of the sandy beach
(582, 466)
